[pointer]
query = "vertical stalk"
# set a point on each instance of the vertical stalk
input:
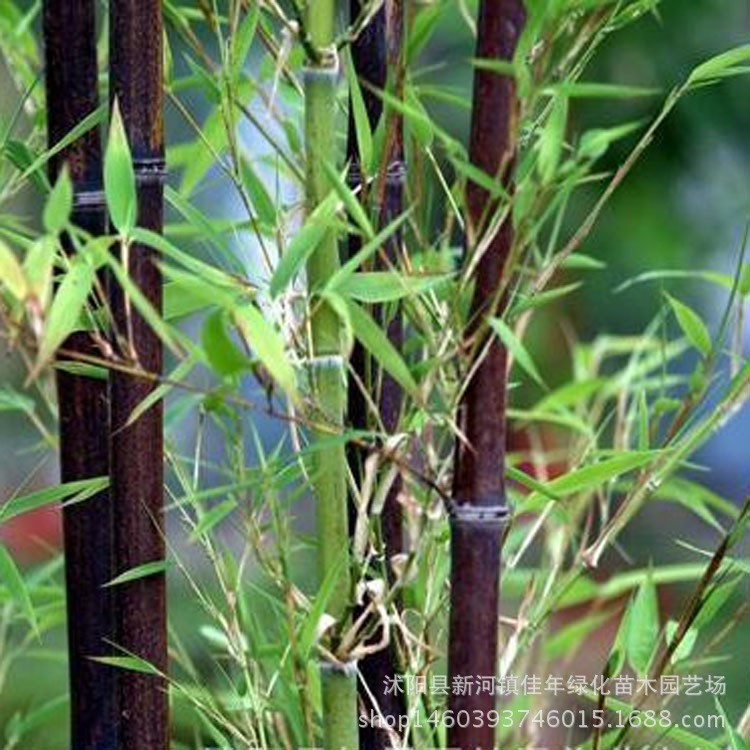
(338, 681)
(71, 83)
(479, 509)
(377, 50)
(137, 450)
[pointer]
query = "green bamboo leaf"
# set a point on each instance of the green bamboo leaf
(359, 113)
(552, 139)
(261, 200)
(720, 65)
(212, 518)
(350, 201)
(594, 143)
(595, 475)
(119, 176)
(130, 663)
(12, 400)
(310, 626)
(38, 266)
(593, 90)
(370, 247)
(303, 245)
(68, 493)
(67, 305)
(643, 627)
(144, 570)
(685, 648)
(242, 40)
(59, 204)
(11, 274)
(91, 120)
(692, 326)
(385, 286)
(11, 577)
(268, 346)
(372, 337)
(518, 350)
(736, 741)
(223, 355)
(536, 301)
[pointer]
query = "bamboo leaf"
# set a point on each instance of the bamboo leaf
(692, 326)
(361, 121)
(69, 493)
(225, 358)
(268, 346)
(685, 648)
(119, 176)
(130, 663)
(311, 625)
(144, 570)
(597, 474)
(212, 518)
(552, 140)
(11, 274)
(376, 342)
(11, 577)
(66, 308)
(59, 204)
(87, 123)
(643, 627)
(720, 65)
(350, 200)
(518, 350)
(303, 245)
(385, 286)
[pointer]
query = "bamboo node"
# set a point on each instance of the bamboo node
(150, 170)
(89, 199)
(334, 666)
(326, 65)
(326, 362)
(466, 514)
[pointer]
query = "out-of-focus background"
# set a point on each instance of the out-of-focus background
(684, 207)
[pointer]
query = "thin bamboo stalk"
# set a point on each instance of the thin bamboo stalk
(137, 449)
(338, 681)
(71, 84)
(377, 50)
(480, 509)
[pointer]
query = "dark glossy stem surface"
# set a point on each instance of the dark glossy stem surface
(72, 94)
(137, 450)
(480, 467)
(376, 54)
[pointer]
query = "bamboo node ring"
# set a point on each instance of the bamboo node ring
(150, 170)
(326, 362)
(346, 668)
(89, 199)
(478, 515)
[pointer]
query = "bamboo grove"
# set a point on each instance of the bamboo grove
(368, 311)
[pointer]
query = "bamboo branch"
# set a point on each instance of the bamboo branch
(137, 449)
(71, 82)
(479, 510)
(338, 680)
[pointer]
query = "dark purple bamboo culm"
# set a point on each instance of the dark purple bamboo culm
(136, 450)
(375, 52)
(479, 509)
(72, 93)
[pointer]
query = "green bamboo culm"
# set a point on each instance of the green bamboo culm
(338, 683)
